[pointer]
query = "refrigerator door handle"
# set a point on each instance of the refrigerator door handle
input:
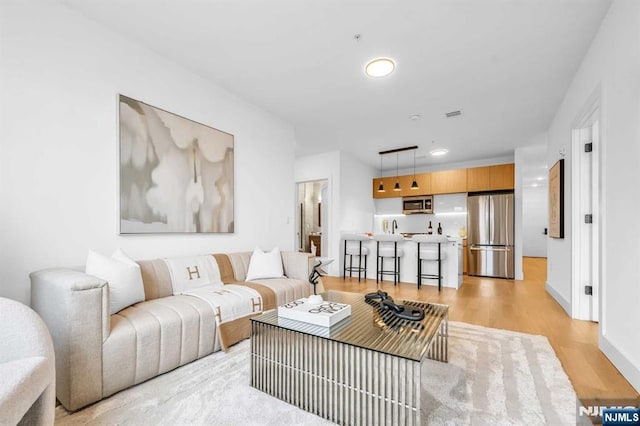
(491, 216)
(489, 248)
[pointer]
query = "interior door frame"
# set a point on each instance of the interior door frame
(581, 304)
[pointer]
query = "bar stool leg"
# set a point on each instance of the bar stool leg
(344, 261)
(439, 269)
(365, 267)
(395, 264)
(360, 261)
(419, 280)
(377, 261)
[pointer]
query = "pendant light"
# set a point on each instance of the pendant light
(396, 187)
(414, 184)
(381, 186)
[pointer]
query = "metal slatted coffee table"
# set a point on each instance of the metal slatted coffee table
(365, 370)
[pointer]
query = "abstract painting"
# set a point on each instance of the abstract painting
(176, 175)
(556, 200)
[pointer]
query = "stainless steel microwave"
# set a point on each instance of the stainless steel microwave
(419, 204)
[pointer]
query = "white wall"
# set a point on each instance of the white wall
(60, 77)
(351, 203)
(533, 170)
(356, 199)
(535, 202)
(317, 167)
(611, 68)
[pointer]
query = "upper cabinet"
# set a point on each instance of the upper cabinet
(423, 180)
(387, 183)
(489, 178)
(448, 181)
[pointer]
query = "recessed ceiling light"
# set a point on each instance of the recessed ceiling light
(380, 67)
(438, 152)
(539, 178)
(414, 117)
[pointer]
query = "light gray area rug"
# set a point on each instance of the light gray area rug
(494, 377)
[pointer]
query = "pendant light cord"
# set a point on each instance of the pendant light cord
(396, 166)
(414, 165)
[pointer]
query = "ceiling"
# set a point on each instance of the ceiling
(506, 64)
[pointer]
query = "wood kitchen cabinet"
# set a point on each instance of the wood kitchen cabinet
(490, 178)
(405, 181)
(388, 183)
(316, 242)
(424, 185)
(449, 181)
(465, 257)
(476, 179)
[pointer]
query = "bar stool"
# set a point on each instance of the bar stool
(430, 249)
(352, 249)
(387, 246)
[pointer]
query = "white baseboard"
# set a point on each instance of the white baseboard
(630, 371)
(558, 298)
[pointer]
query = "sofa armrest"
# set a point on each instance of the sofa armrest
(75, 308)
(297, 265)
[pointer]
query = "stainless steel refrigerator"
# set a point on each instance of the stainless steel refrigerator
(490, 224)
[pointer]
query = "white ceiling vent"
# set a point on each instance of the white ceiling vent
(453, 114)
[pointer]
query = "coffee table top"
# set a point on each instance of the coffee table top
(370, 327)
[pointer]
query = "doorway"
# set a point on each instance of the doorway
(586, 220)
(311, 215)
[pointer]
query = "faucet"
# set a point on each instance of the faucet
(394, 226)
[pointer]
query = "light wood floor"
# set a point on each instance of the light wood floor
(522, 306)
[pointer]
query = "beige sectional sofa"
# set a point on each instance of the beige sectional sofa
(98, 354)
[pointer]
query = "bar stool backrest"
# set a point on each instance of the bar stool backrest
(389, 238)
(355, 237)
(429, 239)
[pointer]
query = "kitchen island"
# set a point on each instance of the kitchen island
(451, 266)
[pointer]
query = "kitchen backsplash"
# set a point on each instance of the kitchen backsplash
(450, 210)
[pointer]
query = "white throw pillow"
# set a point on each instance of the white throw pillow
(188, 273)
(265, 265)
(123, 275)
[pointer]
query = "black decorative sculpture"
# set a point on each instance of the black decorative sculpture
(314, 278)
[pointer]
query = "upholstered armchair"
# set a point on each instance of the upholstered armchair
(27, 367)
